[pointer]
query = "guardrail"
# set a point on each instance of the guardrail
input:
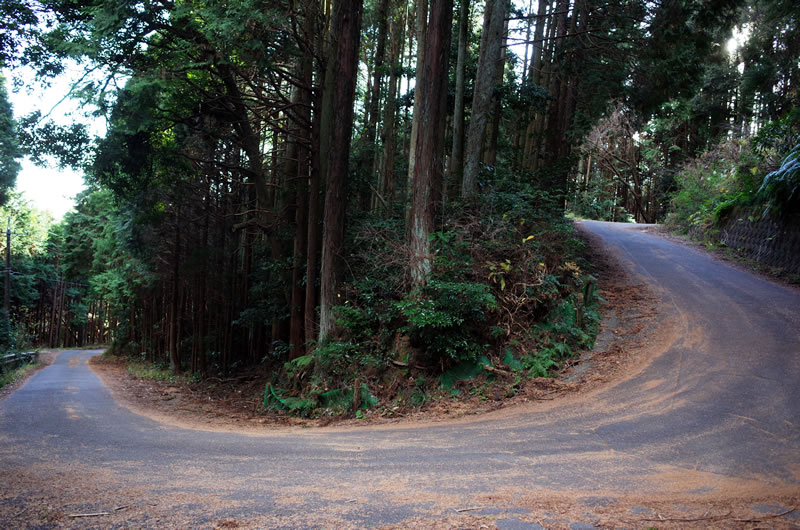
(15, 359)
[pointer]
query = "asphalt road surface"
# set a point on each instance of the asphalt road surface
(712, 416)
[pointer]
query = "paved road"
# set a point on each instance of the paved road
(714, 414)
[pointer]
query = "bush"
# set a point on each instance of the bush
(443, 319)
(597, 201)
(759, 173)
(706, 184)
(781, 188)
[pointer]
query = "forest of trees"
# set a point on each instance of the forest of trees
(327, 188)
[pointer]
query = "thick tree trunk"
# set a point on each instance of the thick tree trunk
(345, 35)
(429, 166)
(202, 309)
(321, 130)
(314, 240)
(485, 81)
(297, 336)
(421, 31)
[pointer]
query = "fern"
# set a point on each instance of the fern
(781, 188)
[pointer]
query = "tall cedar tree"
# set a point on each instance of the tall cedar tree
(345, 41)
(429, 164)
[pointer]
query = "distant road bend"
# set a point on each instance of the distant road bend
(713, 417)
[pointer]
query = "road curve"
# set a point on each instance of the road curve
(713, 414)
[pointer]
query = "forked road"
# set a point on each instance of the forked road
(712, 417)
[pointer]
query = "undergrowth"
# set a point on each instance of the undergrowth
(760, 175)
(509, 299)
(145, 369)
(12, 376)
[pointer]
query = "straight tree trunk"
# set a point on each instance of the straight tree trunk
(174, 355)
(429, 166)
(388, 132)
(456, 165)
(557, 78)
(490, 158)
(377, 80)
(345, 35)
(297, 336)
(486, 77)
(203, 302)
(321, 129)
(421, 31)
(314, 239)
(542, 72)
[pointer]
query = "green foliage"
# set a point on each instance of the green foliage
(337, 401)
(505, 263)
(299, 366)
(570, 328)
(69, 145)
(441, 318)
(9, 149)
(758, 173)
(776, 138)
(712, 185)
(17, 17)
(781, 188)
(338, 359)
(598, 201)
(152, 371)
(12, 376)
(465, 370)
(199, 191)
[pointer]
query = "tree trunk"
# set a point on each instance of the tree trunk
(456, 165)
(485, 80)
(388, 132)
(421, 32)
(345, 35)
(321, 129)
(490, 157)
(174, 355)
(429, 166)
(297, 336)
(368, 162)
(533, 135)
(554, 117)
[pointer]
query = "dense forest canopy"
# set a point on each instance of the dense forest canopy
(326, 189)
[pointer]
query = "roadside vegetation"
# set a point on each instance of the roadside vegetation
(363, 204)
(509, 298)
(11, 376)
(756, 177)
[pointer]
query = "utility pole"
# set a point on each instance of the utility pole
(7, 297)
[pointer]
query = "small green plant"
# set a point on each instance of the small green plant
(498, 271)
(336, 359)
(298, 367)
